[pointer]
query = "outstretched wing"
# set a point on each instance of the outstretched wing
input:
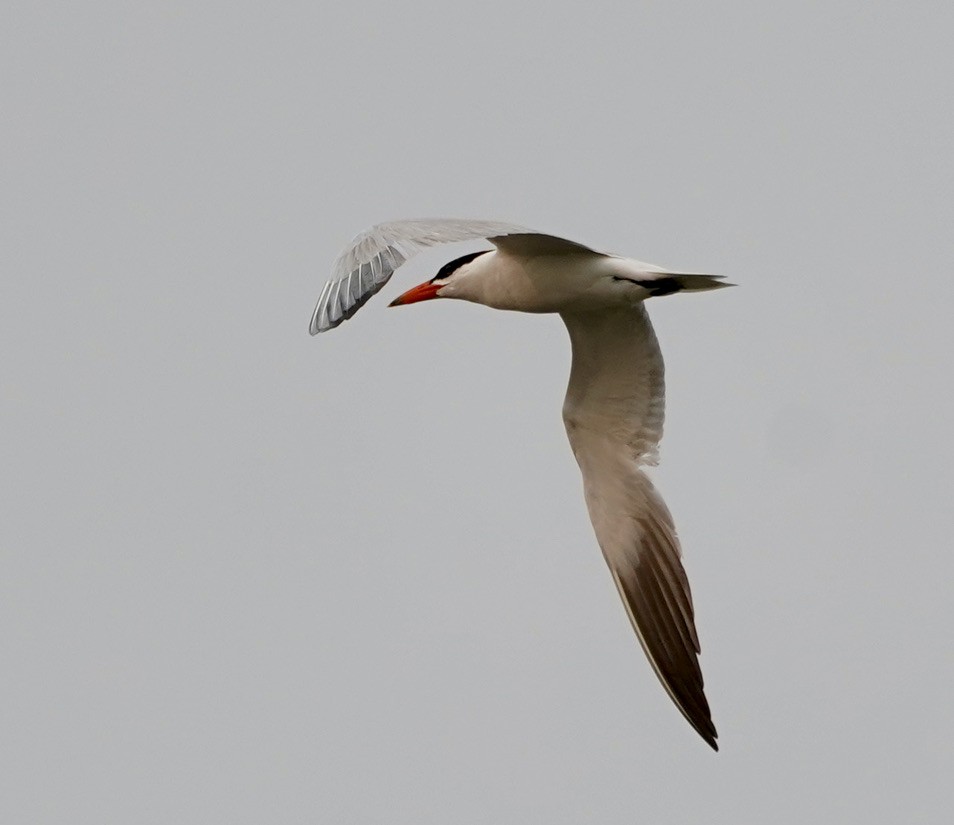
(614, 415)
(368, 263)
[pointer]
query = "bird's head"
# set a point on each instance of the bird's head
(443, 284)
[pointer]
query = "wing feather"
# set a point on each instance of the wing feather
(614, 417)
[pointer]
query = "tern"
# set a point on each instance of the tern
(614, 404)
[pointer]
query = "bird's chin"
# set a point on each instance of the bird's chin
(421, 292)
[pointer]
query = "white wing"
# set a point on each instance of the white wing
(614, 417)
(367, 264)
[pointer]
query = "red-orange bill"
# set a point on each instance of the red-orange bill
(422, 292)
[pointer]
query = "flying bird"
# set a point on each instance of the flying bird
(614, 404)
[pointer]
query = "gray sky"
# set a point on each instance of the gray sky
(250, 576)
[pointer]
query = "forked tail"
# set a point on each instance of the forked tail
(666, 283)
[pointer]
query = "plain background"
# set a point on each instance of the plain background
(250, 576)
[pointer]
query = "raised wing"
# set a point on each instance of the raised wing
(614, 416)
(368, 263)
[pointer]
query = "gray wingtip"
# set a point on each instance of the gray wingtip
(316, 326)
(320, 318)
